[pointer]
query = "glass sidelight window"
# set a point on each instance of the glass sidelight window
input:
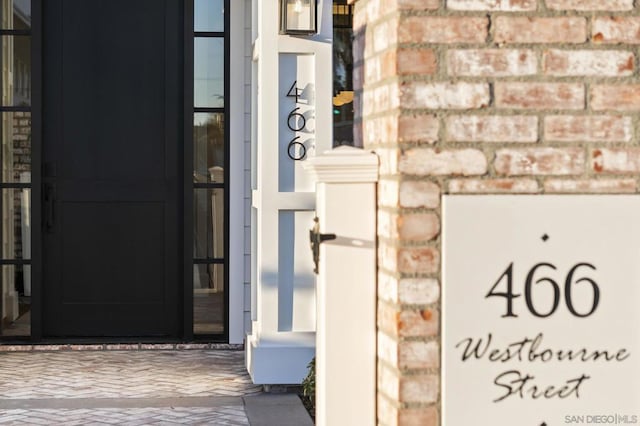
(210, 160)
(15, 156)
(342, 73)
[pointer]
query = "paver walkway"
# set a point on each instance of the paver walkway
(124, 387)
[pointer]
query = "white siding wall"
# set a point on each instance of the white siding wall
(247, 164)
(239, 182)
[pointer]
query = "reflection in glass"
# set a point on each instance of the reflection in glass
(16, 14)
(208, 299)
(208, 79)
(208, 147)
(16, 223)
(16, 147)
(208, 15)
(16, 301)
(208, 221)
(16, 71)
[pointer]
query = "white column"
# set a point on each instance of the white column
(282, 339)
(346, 294)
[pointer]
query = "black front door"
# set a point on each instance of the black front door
(112, 179)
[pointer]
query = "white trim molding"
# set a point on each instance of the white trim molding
(344, 164)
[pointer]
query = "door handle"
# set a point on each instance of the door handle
(49, 206)
(316, 238)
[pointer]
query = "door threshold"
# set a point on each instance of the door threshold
(44, 347)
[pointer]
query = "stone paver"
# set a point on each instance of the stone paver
(131, 416)
(124, 387)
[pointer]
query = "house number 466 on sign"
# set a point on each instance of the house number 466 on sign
(575, 279)
(296, 123)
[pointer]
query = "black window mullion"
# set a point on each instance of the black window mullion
(209, 261)
(14, 185)
(4, 262)
(212, 185)
(14, 108)
(15, 32)
(209, 110)
(209, 34)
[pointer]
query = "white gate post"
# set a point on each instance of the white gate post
(346, 287)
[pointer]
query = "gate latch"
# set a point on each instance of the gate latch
(316, 238)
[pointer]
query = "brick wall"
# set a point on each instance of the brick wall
(480, 96)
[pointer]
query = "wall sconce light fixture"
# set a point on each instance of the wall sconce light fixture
(298, 17)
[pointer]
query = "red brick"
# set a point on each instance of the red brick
(375, 10)
(385, 34)
(388, 193)
(410, 260)
(406, 323)
(418, 322)
(368, 13)
(416, 61)
(418, 4)
(387, 286)
(540, 96)
(418, 291)
(510, 29)
(431, 29)
(408, 226)
(540, 161)
(380, 130)
(418, 227)
(394, 129)
(418, 260)
(591, 186)
(387, 256)
(389, 158)
(598, 63)
(430, 162)
(461, 95)
(388, 382)
(381, 99)
(584, 5)
(617, 161)
(419, 388)
(410, 4)
(418, 128)
(411, 291)
(493, 5)
(386, 411)
(418, 355)
(387, 224)
(419, 194)
(492, 128)
(493, 186)
(422, 416)
(616, 29)
(589, 128)
(615, 97)
(379, 67)
(387, 318)
(491, 62)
